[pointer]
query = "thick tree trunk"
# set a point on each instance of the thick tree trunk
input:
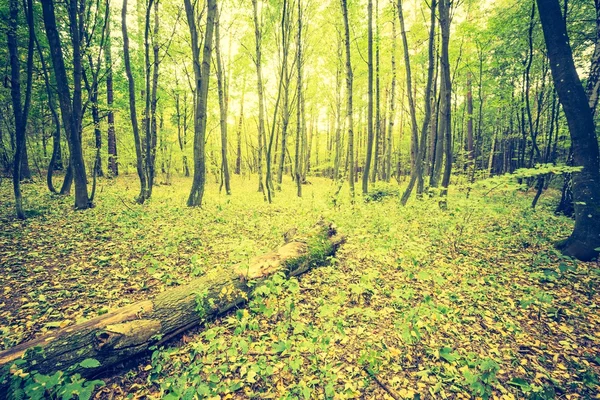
(132, 330)
(584, 242)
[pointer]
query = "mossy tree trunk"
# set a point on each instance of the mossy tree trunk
(130, 331)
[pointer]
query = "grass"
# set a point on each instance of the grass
(471, 302)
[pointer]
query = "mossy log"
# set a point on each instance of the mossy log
(130, 331)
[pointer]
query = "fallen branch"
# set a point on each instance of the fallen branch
(132, 330)
(385, 387)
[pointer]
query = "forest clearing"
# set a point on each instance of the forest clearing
(473, 301)
(299, 199)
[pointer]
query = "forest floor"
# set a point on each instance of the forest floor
(470, 302)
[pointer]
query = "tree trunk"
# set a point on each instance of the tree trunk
(584, 242)
(222, 108)
(409, 90)
(349, 83)
(238, 158)
(297, 172)
(202, 75)
(370, 134)
(470, 143)
(130, 331)
(261, 95)
(20, 110)
(446, 96)
(417, 171)
(132, 108)
(113, 163)
(71, 107)
(286, 35)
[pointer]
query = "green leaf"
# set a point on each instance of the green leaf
(90, 363)
(448, 354)
(520, 383)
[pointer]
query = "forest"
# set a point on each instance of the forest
(299, 199)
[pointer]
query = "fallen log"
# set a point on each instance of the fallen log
(129, 331)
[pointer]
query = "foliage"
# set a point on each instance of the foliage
(64, 385)
(432, 303)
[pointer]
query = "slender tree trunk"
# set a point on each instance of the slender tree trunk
(349, 84)
(286, 35)
(71, 107)
(370, 134)
(470, 143)
(202, 75)
(261, 95)
(20, 110)
(56, 159)
(417, 172)
(154, 102)
(409, 89)
(297, 172)
(338, 109)
(113, 163)
(222, 107)
(132, 108)
(238, 159)
(446, 96)
(584, 242)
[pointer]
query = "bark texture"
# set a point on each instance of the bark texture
(132, 330)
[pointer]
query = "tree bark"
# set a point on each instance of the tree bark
(222, 107)
(71, 107)
(202, 75)
(411, 100)
(20, 110)
(349, 111)
(113, 163)
(297, 172)
(365, 177)
(132, 108)
(261, 95)
(417, 171)
(132, 330)
(446, 96)
(584, 242)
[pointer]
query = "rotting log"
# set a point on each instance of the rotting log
(130, 331)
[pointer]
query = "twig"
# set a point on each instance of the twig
(125, 204)
(385, 387)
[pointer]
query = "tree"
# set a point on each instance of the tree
(421, 146)
(299, 104)
(584, 242)
(261, 95)
(446, 96)
(349, 83)
(113, 163)
(20, 109)
(132, 107)
(365, 178)
(202, 77)
(71, 107)
(221, 86)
